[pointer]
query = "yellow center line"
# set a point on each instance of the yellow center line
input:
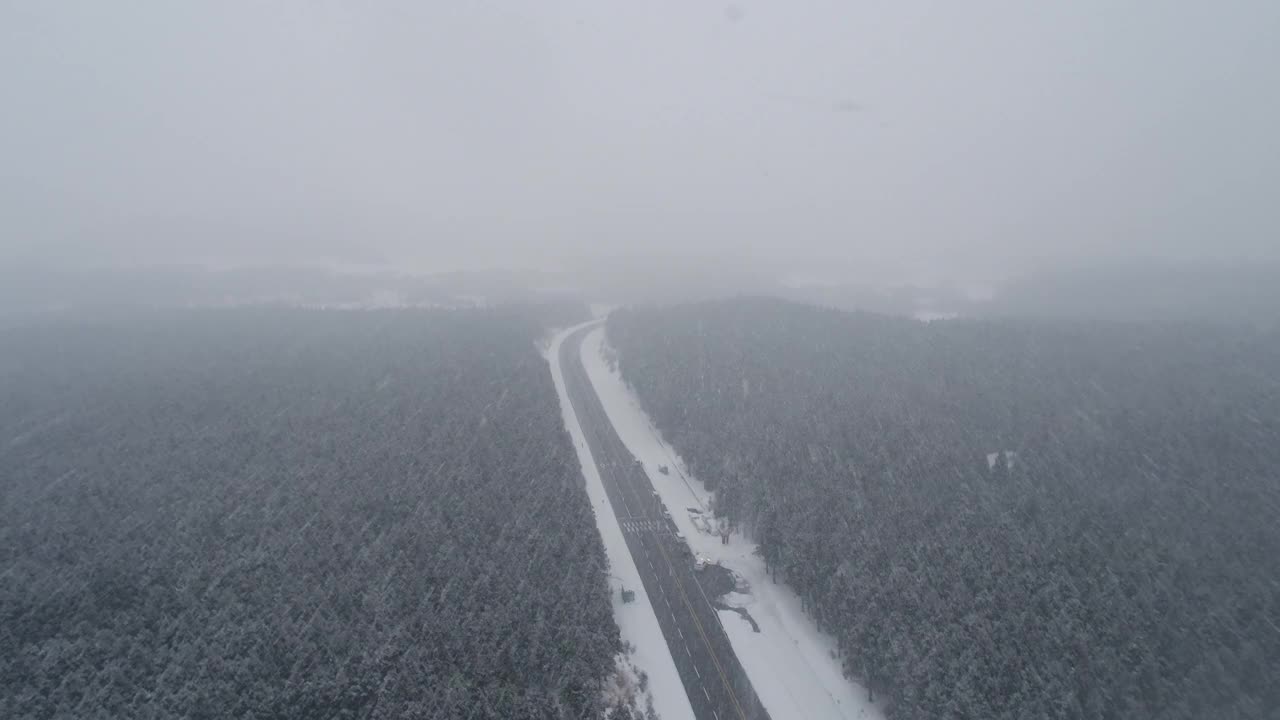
(698, 624)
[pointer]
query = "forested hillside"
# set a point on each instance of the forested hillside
(1119, 558)
(294, 514)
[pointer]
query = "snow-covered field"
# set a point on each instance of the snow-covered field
(636, 620)
(792, 665)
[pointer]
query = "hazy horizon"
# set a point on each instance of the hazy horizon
(563, 359)
(893, 140)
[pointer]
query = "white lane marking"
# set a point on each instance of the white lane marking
(642, 525)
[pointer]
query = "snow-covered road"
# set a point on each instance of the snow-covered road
(636, 620)
(791, 664)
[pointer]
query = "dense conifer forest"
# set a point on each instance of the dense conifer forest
(293, 514)
(995, 519)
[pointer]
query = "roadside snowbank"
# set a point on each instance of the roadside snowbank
(636, 620)
(792, 665)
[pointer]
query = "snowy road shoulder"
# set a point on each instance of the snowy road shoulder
(792, 665)
(636, 620)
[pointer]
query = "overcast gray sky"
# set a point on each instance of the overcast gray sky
(907, 137)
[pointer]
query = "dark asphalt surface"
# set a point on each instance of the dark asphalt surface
(718, 688)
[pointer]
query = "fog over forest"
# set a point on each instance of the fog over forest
(576, 360)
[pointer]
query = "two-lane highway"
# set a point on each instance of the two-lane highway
(718, 688)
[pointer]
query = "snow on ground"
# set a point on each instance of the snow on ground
(1010, 459)
(636, 620)
(792, 665)
(926, 315)
(629, 687)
